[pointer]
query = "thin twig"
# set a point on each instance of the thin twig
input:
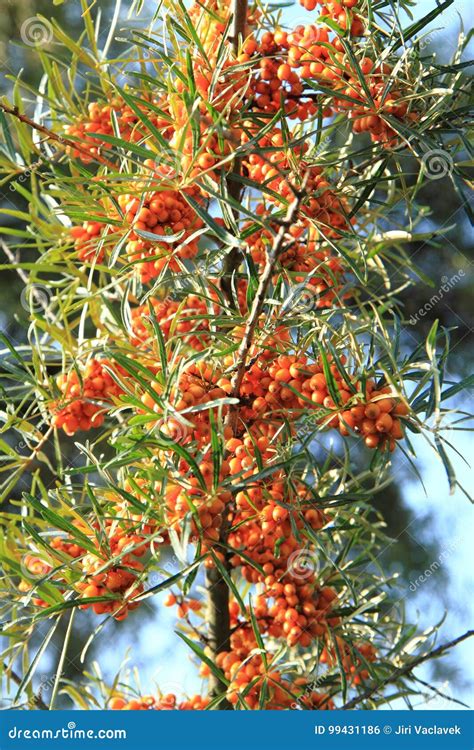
(277, 248)
(405, 670)
(439, 692)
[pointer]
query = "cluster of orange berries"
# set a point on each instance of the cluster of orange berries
(288, 58)
(62, 544)
(187, 319)
(248, 671)
(340, 12)
(273, 169)
(206, 509)
(352, 658)
(296, 384)
(86, 241)
(267, 524)
(306, 260)
(198, 384)
(87, 131)
(168, 702)
(112, 571)
(267, 519)
(284, 60)
(377, 100)
(160, 213)
(86, 396)
(35, 568)
(270, 390)
(275, 86)
(161, 227)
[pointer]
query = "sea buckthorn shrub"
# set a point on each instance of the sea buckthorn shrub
(215, 334)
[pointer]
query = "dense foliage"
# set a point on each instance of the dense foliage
(213, 255)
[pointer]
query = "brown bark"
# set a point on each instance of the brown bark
(218, 618)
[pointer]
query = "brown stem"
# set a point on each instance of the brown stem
(239, 22)
(52, 136)
(406, 670)
(218, 617)
(277, 248)
(218, 622)
(218, 591)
